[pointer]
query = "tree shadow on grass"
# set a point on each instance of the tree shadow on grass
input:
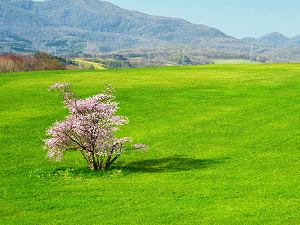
(171, 164)
(167, 164)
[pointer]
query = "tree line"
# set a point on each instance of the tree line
(31, 62)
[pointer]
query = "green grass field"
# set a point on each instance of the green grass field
(224, 146)
(232, 61)
(87, 64)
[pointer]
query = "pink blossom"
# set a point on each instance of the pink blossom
(89, 128)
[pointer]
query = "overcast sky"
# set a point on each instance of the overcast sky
(237, 18)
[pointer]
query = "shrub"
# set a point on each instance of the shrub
(90, 129)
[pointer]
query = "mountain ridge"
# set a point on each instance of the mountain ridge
(92, 25)
(275, 39)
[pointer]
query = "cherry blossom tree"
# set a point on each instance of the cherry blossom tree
(90, 128)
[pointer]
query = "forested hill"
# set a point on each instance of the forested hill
(82, 25)
(276, 39)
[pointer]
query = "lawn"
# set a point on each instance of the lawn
(224, 144)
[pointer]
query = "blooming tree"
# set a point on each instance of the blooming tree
(89, 128)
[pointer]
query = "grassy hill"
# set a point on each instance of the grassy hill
(223, 140)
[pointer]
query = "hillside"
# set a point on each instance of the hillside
(98, 26)
(275, 39)
(284, 54)
(161, 57)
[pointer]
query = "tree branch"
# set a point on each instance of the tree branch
(84, 156)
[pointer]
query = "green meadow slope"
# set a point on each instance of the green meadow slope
(224, 146)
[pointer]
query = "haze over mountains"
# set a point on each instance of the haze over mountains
(76, 26)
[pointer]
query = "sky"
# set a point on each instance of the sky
(237, 18)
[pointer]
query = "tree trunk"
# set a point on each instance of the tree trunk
(107, 163)
(92, 161)
(94, 165)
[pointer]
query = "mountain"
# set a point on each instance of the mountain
(275, 39)
(99, 26)
(295, 41)
(286, 49)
